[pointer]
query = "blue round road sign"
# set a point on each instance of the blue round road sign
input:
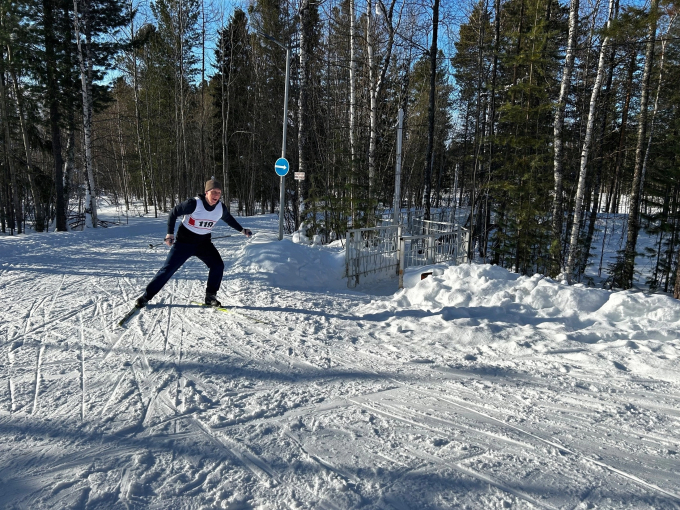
(282, 166)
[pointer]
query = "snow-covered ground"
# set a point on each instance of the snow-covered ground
(474, 388)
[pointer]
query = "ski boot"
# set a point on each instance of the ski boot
(211, 300)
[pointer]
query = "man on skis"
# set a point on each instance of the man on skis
(200, 215)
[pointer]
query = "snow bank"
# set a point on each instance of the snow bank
(492, 286)
(291, 265)
(497, 289)
(474, 388)
(482, 306)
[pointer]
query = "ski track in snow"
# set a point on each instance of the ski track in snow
(338, 399)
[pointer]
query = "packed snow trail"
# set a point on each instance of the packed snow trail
(475, 388)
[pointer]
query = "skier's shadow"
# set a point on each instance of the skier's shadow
(448, 313)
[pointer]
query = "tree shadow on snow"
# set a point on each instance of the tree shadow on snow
(510, 315)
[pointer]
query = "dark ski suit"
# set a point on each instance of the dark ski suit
(188, 244)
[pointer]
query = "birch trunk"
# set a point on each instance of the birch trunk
(430, 112)
(225, 88)
(676, 289)
(633, 213)
(373, 116)
(203, 88)
(69, 163)
(352, 101)
(125, 174)
(606, 96)
(135, 87)
(303, 103)
(85, 59)
(377, 79)
(587, 139)
(558, 201)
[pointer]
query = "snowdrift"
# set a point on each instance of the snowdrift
(291, 265)
(481, 305)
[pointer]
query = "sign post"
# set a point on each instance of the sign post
(281, 167)
(282, 197)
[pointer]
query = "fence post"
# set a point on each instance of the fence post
(347, 255)
(467, 245)
(402, 261)
(398, 248)
(456, 245)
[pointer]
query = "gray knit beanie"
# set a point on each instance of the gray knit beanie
(212, 184)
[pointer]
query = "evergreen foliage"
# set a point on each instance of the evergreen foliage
(183, 97)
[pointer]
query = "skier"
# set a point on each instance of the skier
(193, 239)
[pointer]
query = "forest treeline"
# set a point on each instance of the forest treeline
(536, 118)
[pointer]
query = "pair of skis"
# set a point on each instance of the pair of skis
(228, 310)
(126, 318)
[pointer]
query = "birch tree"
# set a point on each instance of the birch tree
(585, 151)
(558, 213)
(430, 114)
(352, 99)
(303, 98)
(82, 26)
(377, 76)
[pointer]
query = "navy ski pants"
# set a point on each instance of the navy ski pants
(179, 254)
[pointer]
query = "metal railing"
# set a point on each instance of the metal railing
(413, 221)
(432, 248)
(371, 250)
(385, 249)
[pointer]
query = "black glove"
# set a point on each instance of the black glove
(247, 232)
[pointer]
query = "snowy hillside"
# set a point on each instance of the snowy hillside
(473, 388)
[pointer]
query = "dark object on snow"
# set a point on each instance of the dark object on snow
(129, 316)
(211, 300)
(424, 275)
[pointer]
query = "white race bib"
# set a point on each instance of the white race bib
(202, 221)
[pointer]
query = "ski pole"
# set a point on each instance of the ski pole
(159, 244)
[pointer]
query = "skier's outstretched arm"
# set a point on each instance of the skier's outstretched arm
(231, 221)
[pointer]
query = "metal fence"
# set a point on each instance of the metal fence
(432, 248)
(371, 250)
(384, 249)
